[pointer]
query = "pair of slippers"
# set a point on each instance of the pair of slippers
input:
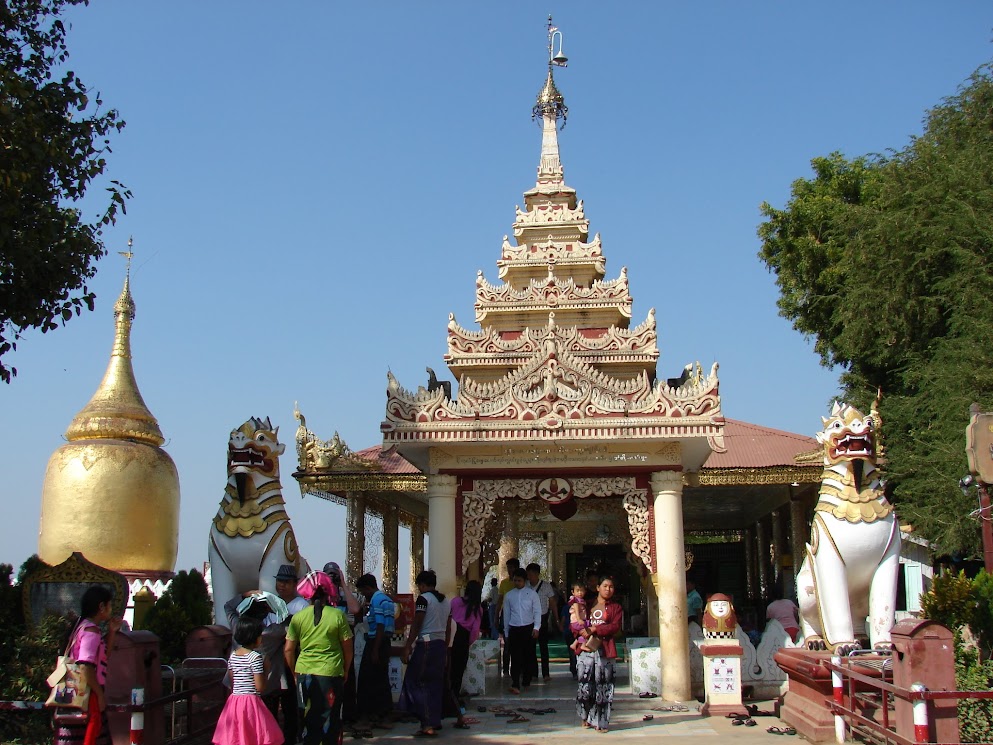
(540, 712)
(747, 721)
(647, 694)
(672, 707)
(781, 731)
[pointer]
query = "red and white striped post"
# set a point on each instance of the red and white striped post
(839, 698)
(922, 728)
(137, 717)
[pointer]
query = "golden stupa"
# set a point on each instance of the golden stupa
(111, 492)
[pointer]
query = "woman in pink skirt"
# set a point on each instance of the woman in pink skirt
(245, 720)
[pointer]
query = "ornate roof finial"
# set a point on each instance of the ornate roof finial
(551, 102)
(117, 410)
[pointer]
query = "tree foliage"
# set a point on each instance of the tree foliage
(183, 607)
(885, 261)
(54, 135)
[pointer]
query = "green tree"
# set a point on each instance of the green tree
(183, 607)
(54, 135)
(885, 262)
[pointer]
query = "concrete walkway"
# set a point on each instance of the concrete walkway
(561, 727)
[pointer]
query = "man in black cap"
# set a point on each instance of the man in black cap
(286, 588)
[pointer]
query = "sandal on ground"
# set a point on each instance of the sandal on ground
(647, 718)
(425, 733)
(601, 730)
(750, 722)
(549, 710)
(461, 725)
(518, 718)
(647, 694)
(470, 720)
(587, 725)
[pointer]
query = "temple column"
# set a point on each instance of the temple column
(508, 539)
(798, 532)
(670, 562)
(748, 538)
(441, 491)
(762, 556)
(777, 549)
(416, 551)
(354, 536)
(391, 549)
(550, 553)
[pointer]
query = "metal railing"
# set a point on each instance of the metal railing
(856, 692)
(195, 701)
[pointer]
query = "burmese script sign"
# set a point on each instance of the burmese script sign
(541, 455)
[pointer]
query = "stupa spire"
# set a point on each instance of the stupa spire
(550, 107)
(117, 411)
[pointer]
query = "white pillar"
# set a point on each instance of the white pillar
(354, 536)
(670, 564)
(442, 556)
(391, 548)
(416, 551)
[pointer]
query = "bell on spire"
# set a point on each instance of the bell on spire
(551, 102)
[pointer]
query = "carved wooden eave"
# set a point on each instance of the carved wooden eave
(560, 219)
(556, 396)
(584, 262)
(471, 352)
(604, 303)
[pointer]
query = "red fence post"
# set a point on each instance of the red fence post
(921, 728)
(839, 698)
(137, 717)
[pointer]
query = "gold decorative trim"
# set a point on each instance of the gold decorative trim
(760, 476)
(326, 486)
(76, 570)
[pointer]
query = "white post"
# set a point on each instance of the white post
(670, 563)
(137, 717)
(921, 726)
(442, 557)
(839, 699)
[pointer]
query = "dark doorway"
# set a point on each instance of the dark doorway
(610, 558)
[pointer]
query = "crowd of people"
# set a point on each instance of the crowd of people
(292, 667)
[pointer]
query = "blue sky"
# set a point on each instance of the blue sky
(316, 184)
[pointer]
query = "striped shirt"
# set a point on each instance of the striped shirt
(244, 668)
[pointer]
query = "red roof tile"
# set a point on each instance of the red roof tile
(391, 462)
(753, 446)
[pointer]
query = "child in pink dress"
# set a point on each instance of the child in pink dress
(245, 720)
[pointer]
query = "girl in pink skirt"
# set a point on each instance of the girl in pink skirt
(245, 720)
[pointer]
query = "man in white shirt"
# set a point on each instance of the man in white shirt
(549, 613)
(521, 623)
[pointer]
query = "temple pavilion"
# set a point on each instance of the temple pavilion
(562, 430)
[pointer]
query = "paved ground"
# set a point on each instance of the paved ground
(558, 728)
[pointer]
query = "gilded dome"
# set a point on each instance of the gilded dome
(111, 492)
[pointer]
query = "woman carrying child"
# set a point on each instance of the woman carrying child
(245, 720)
(595, 664)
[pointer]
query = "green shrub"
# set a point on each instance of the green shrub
(973, 674)
(982, 619)
(951, 601)
(183, 607)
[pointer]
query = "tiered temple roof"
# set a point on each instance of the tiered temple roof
(555, 356)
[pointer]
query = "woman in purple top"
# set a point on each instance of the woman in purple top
(467, 612)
